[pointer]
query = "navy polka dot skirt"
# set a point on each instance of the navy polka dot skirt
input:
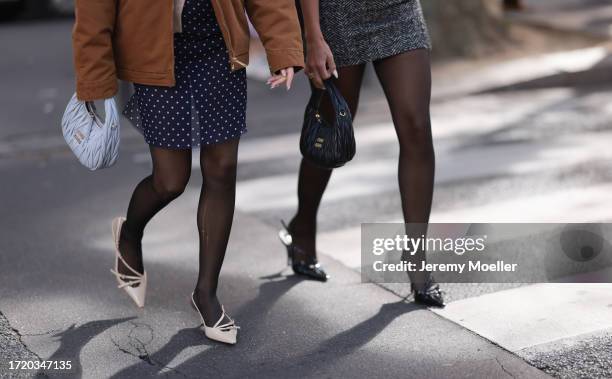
(208, 104)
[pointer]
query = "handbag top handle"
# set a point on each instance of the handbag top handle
(341, 109)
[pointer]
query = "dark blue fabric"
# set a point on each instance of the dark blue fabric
(208, 103)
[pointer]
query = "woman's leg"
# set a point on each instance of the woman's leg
(171, 171)
(406, 80)
(312, 179)
(215, 216)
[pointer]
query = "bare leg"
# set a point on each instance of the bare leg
(312, 179)
(406, 79)
(171, 171)
(215, 216)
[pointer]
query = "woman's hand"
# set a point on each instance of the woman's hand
(284, 76)
(320, 63)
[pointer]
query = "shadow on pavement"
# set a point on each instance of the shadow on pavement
(597, 75)
(342, 344)
(583, 84)
(253, 313)
(73, 339)
(216, 359)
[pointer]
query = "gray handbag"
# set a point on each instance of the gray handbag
(94, 142)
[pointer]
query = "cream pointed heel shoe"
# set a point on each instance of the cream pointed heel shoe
(226, 333)
(126, 282)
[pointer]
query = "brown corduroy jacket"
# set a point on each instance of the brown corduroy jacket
(132, 40)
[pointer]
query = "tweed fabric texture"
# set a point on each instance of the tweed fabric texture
(360, 31)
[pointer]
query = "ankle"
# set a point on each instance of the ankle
(300, 228)
(420, 282)
(291, 227)
(129, 236)
(204, 294)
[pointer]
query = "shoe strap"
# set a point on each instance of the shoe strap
(118, 253)
(312, 264)
(430, 287)
(293, 247)
(285, 236)
(227, 326)
(284, 224)
(131, 279)
(125, 284)
(127, 265)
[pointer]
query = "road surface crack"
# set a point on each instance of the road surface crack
(52, 331)
(13, 336)
(137, 347)
(503, 368)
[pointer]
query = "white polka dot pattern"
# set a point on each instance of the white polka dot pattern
(208, 103)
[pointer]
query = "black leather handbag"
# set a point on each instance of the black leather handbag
(328, 145)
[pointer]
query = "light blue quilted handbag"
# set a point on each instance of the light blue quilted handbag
(94, 142)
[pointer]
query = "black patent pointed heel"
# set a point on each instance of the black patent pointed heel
(312, 269)
(430, 295)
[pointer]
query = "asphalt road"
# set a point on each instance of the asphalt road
(536, 160)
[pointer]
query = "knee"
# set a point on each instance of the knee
(170, 187)
(414, 131)
(220, 173)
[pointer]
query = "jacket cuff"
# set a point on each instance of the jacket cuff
(279, 59)
(99, 90)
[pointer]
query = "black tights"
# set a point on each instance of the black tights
(406, 81)
(171, 171)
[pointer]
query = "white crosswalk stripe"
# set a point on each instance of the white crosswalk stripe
(524, 317)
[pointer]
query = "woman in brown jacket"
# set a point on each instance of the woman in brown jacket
(186, 59)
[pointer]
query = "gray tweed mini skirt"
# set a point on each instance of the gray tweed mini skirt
(360, 31)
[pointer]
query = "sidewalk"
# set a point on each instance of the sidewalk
(56, 290)
(290, 328)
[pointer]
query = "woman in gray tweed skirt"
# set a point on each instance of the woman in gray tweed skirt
(342, 36)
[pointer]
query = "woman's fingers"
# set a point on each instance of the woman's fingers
(285, 76)
(331, 66)
(290, 74)
(322, 71)
(320, 64)
(318, 82)
(277, 81)
(325, 70)
(319, 75)
(283, 73)
(313, 75)
(316, 79)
